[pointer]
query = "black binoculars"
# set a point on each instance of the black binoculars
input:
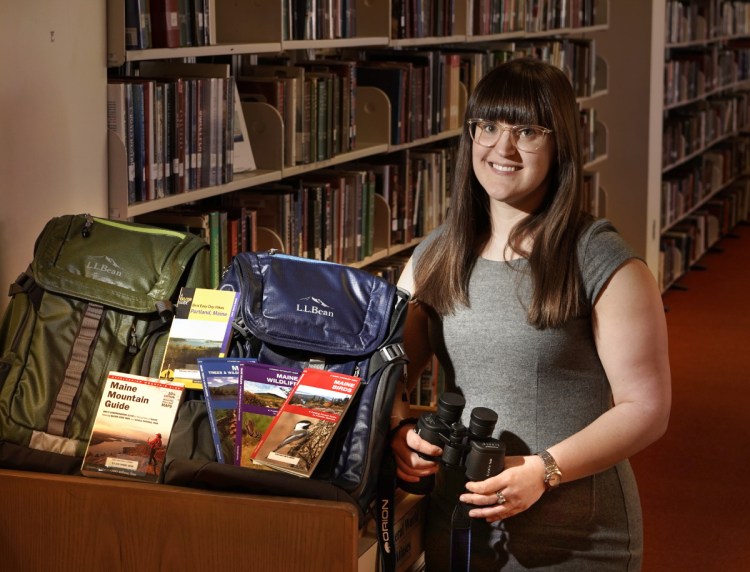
(470, 449)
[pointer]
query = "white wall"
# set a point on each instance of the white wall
(53, 132)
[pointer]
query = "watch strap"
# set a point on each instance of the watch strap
(551, 470)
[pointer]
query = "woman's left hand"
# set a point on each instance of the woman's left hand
(514, 490)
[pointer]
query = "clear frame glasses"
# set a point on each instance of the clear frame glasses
(527, 138)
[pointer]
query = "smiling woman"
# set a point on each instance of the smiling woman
(546, 316)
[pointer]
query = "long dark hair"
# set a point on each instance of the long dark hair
(522, 91)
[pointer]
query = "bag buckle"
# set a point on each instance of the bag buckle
(392, 352)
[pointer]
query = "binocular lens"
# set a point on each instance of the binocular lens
(482, 422)
(450, 406)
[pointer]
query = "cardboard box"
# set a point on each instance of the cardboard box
(408, 533)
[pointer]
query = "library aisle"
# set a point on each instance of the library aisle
(693, 481)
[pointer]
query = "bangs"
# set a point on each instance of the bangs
(512, 98)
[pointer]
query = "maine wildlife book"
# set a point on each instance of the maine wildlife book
(132, 428)
(304, 426)
(201, 328)
(263, 390)
(221, 386)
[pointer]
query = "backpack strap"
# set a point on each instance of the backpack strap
(88, 333)
(25, 284)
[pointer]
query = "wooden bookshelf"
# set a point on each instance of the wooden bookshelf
(563, 38)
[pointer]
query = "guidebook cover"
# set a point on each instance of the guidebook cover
(202, 327)
(221, 388)
(263, 390)
(132, 428)
(304, 426)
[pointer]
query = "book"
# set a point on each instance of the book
(202, 327)
(221, 387)
(132, 427)
(307, 421)
(263, 390)
(165, 24)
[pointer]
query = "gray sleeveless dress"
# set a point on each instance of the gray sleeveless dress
(545, 386)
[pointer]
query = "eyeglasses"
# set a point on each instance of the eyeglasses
(527, 138)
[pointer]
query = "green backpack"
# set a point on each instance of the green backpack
(97, 297)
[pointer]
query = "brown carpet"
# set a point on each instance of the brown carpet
(695, 481)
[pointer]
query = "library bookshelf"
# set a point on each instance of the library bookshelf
(239, 32)
(679, 161)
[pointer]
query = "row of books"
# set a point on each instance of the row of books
(691, 129)
(318, 19)
(265, 416)
(684, 244)
(326, 215)
(701, 21)
(226, 230)
(576, 57)
(316, 100)
(168, 23)
(181, 126)
(693, 73)
(262, 417)
(685, 188)
(422, 18)
(508, 16)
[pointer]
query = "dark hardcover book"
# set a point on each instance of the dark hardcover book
(221, 389)
(137, 25)
(139, 141)
(263, 390)
(132, 427)
(165, 23)
(307, 421)
(393, 81)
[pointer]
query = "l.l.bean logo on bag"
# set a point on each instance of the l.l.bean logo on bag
(313, 305)
(98, 265)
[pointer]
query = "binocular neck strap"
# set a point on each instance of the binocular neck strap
(460, 539)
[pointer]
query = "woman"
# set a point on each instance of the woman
(546, 316)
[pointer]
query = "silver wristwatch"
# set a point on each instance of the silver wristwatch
(552, 474)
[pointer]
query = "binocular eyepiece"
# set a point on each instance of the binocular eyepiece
(471, 449)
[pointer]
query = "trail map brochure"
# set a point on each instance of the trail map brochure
(202, 327)
(305, 424)
(132, 428)
(263, 390)
(221, 387)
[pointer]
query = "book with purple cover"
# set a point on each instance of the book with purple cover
(263, 390)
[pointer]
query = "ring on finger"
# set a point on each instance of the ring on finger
(500, 498)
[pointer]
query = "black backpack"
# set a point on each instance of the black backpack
(97, 297)
(301, 313)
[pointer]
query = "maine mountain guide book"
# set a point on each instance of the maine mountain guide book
(221, 387)
(304, 426)
(132, 428)
(263, 390)
(201, 328)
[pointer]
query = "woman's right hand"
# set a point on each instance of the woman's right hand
(410, 467)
